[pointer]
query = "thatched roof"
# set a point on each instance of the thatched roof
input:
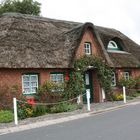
(36, 42)
(131, 51)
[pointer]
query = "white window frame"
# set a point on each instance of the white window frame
(87, 47)
(113, 80)
(30, 87)
(126, 75)
(57, 77)
(112, 45)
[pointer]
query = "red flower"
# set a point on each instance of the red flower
(31, 101)
(67, 78)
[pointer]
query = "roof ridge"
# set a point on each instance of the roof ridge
(34, 17)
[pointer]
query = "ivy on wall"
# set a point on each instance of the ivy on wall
(76, 84)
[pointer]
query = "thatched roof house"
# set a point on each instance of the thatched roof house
(35, 49)
(36, 42)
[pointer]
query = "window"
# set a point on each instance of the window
(57, 77)
(112, 45)
(88, 48)
(87, 78)
(113, 82)
(126, 75)
(29, 83)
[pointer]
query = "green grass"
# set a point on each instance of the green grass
(6, 116)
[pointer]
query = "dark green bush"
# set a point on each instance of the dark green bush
(6, 116)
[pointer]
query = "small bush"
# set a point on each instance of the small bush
(6, 116)
(40, 110)
(131, 83)
(63, 107)
(129, 98)
(25, 110)
(116, 97)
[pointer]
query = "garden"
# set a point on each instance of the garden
(56, 98)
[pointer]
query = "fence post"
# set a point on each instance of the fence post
(124, 94)
(15, 111)
(88, 99)
(78, 100)
(103, 95)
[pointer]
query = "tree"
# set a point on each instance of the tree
(20, 6)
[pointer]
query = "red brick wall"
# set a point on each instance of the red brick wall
(87, 37)
(134, 72)
(12, 77)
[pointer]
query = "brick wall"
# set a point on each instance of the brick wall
(133, 72)
(87, 37)
(11, 77)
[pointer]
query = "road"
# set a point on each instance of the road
(121, 124)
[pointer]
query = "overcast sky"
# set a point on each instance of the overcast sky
(123, 15)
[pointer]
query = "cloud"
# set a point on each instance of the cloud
(123, 15)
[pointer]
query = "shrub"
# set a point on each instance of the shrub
(40, 110)
(131, 83)
(116, 97)
(129, 98)
(119, 97)
(51, 92)
(6, 96)
(25, 110)
(63, 107)
(6, 116)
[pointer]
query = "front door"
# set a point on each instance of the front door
(89, 85)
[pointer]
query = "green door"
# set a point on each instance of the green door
(89, 85)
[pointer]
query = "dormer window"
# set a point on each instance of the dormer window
(87, 48)
(112, 45)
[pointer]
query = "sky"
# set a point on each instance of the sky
(123, 15)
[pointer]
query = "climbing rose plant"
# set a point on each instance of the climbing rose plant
(104, 72)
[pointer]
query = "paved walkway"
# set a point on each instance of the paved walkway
(50, 119)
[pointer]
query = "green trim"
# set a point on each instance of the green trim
(57, 72)
(115, 49)
(31, 94)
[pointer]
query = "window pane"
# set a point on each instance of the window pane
(33, 90)
(58, 78)
(26, 78)
(34, 84)
(126, 75)
(113, 79)
(26, 84)
(26, 90)
(87, 78)
(87, 48)
(53, 77)
(33, 77)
